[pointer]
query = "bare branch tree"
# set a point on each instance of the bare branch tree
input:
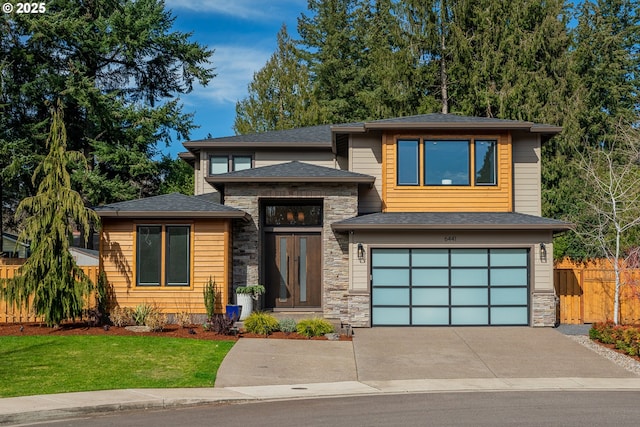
(612, 174)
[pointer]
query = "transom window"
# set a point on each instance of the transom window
(163, 255)
(277, 214)
(447, 162)
(227, 163)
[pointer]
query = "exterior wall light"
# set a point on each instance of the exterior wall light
(360, 252)
(543, 251)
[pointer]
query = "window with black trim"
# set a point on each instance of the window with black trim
(408, 165)
(463, 162)
(155, 241)
(446, 162)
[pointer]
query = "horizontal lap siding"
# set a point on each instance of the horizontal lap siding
(210, 259)
(526, 164)
(366, 157)
(447, 198)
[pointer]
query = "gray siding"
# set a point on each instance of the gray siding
(267, 158)
(526, 174)
(365, 156)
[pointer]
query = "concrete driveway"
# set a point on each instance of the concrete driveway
(384, 354)
(478, 352)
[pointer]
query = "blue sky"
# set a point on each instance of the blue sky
(243, 35)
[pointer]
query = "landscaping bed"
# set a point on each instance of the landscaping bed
(171, 331)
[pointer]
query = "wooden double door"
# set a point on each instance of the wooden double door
(293, 270)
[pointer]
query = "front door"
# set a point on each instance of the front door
(293, 270)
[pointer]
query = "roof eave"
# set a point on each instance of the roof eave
(171, 214)
(329, 180)
(449, 125)
(244, 144)
(523, 227)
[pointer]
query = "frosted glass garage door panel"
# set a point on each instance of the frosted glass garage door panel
(430, 277)
(465, 296)
(508, 296)
(469, 277)
(508, 257)
(509, 316)
(509, 277)
(390, 316)
(390, 258)
(390, 277)
(430, 296)
(469, 258)
(430, 316)
(430, 258)
(469, 316)
(391, 296)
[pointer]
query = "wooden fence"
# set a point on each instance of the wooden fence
(10, 314)
(586, 292)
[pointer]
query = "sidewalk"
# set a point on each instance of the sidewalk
(381, 360)
(19, 410)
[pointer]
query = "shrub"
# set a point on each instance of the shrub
(315, 327)
(142, 312)
(209, 294)
(287, 325)
(121, 316)
(183, 318)
(261, 323)
(220, 324)
(156, 320)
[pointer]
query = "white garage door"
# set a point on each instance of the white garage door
(449, 286)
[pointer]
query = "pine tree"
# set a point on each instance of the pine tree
(280, 95)
(50, 283)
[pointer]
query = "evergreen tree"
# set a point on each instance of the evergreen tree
(176, 176)
(280, 95)
(49, 282)
(117, 65)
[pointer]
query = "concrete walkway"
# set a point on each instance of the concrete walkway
(380, 360)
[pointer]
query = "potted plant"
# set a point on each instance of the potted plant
(245, 295)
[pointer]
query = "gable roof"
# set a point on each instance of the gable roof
(174, 205)
(451, 221)
(306, 137)
(291, 172)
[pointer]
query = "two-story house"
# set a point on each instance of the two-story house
(423, 220)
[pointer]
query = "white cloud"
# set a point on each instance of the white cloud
(235, 66)
(245, 9)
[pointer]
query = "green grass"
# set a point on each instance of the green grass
(42, 365)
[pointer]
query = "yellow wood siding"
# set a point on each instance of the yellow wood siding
(419, 198)
(209, 258)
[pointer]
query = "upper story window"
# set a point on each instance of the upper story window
(229, 163)
(446, 162)
(408, 162)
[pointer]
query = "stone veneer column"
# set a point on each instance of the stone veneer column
(544, 306)
(340, 201)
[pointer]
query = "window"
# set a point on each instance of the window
(465, 162)
(241, 163)
(218, 164)
(171, 241)
(303, 214)
(228, 163)
(446, 162)
(408, 162)
(485, 162)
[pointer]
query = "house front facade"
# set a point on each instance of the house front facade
(415, 221)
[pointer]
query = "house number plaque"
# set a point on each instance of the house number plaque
(449, 238)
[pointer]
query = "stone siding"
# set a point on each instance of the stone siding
(340, 201)
(544, 306)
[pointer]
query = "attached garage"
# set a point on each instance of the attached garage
(451, 269)
(440, 286)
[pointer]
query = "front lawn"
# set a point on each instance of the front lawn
(44, 364)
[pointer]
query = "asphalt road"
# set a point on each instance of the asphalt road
(619, 408)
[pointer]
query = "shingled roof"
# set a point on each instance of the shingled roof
(446, 121)
(451, 221)
(174, 205)
(291, 172)
(321, 136)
